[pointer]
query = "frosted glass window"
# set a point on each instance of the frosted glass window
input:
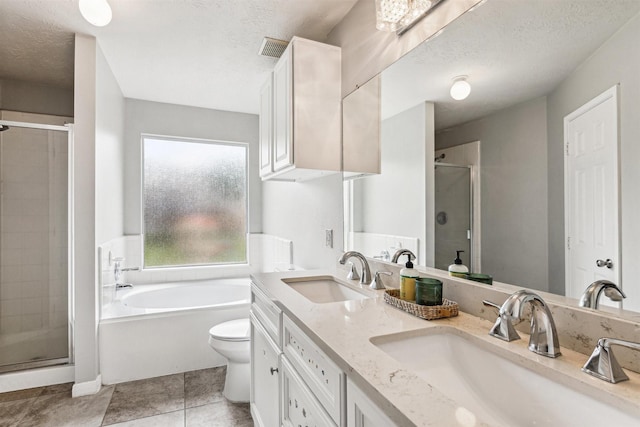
(195, 202)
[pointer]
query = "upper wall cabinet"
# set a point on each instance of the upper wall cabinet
(300, 114)
(361, 133)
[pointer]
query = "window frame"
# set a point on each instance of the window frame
(236, 265)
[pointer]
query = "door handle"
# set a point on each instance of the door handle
(273, 370)
(608, 263)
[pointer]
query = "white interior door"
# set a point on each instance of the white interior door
(591, 194)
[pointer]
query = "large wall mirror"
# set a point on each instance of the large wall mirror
(552, 120)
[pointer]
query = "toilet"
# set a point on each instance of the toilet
(232, 340)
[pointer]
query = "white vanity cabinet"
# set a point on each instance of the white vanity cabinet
(300, 115)
(266, 127)
(361, 411)
(300, 408)
(265, 360)
(324, 379)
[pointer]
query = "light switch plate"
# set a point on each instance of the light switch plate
(328, 238)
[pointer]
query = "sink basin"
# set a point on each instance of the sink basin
(491, 388)
(324, 289)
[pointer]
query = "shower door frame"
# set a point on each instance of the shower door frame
(69, 360)
(470, 232)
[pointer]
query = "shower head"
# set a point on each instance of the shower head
(3, 128)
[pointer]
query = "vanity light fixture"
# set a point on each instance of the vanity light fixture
(460, 88)
(401, 15)
(96, 12)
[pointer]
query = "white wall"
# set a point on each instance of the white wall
(109, 152)
(84, 262)
(616, 62)
(513, 144)
(191, 122)
(301, 212)
(17, 95)
(407, 143)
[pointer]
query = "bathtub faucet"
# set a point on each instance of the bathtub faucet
(117, 273)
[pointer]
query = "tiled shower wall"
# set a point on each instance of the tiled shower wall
(33, 244)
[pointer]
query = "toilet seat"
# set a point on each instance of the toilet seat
(233, 330)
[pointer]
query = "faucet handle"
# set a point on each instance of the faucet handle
(503, 328)
(353, 273)
(603, 364)
(377, 281)
(491, 304)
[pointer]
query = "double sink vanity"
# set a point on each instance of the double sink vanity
(329, 351)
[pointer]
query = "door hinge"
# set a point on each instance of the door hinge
(569, 242)
(566, 148)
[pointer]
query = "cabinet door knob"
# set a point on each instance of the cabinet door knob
(273, 370)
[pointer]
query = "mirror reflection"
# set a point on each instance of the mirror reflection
(550, 122)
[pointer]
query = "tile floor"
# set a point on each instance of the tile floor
(190, 399)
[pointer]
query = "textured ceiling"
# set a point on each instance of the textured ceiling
(512, 51)
(192, 52)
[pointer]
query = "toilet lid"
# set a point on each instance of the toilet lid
(233, 330)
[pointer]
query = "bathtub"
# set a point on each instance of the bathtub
(162, 329)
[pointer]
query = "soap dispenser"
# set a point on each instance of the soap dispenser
(458, 269)
(408, 278)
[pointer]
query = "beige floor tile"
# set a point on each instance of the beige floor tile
(204, 386)
(13, 411)
(21, 394)
(61, 410)
(219, 414)
(145, 398)
(171, 419)
(57, 388)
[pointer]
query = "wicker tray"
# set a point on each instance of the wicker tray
(429, 312)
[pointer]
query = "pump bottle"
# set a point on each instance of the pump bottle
(408, 278)
(458, 269)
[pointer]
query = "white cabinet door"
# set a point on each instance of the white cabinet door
(322, 376)
(361, 411)
(282, 110)
(299, 406)
(266, 127)
(265, 377)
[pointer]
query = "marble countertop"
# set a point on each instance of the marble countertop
(344, 329)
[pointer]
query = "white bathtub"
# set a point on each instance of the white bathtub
(154, 330)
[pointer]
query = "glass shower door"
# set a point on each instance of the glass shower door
(453, 214)
(34, 290)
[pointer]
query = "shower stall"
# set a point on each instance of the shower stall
(454, 214)
(35, 291)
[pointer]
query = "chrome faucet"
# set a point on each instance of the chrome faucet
(365, 277)
(543, 339)
(117, 273)
(591, 296)
(603, 364)
(401, 252)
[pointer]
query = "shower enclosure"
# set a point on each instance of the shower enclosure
(453, 210)
(35, 326)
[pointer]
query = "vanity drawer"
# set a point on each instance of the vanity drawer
(299, 406)
(324, 378)
(269, 315)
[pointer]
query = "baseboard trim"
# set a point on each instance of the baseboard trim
(87, 388)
